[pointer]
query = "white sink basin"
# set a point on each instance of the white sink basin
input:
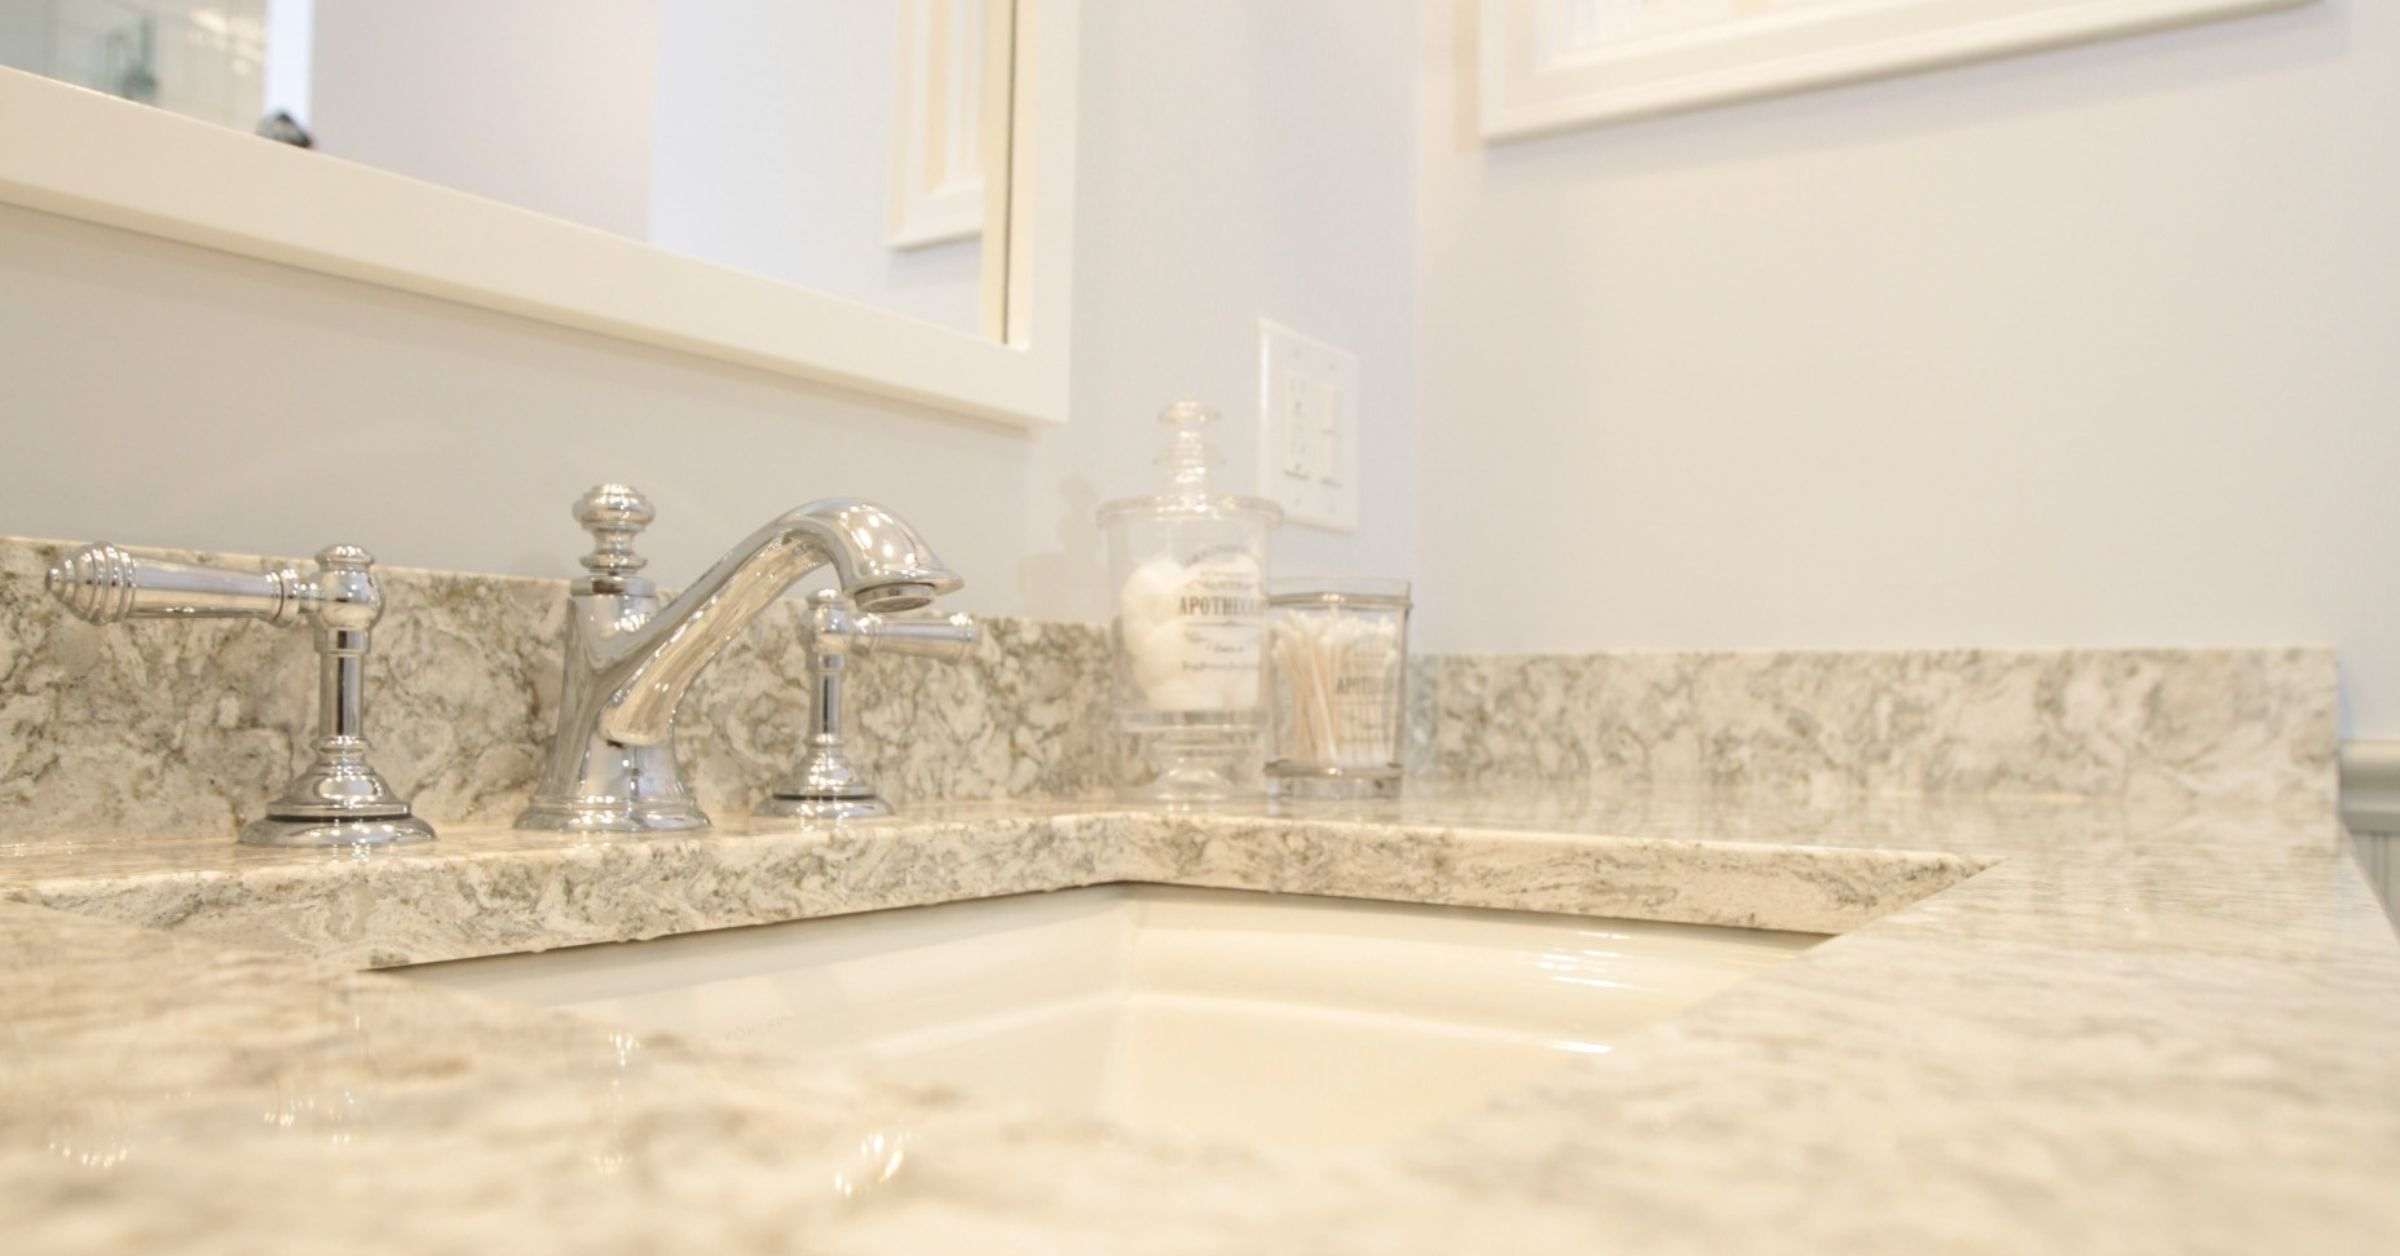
(1203, 1011)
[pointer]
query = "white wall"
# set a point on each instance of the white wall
(1236, 160)
(544, 104)
(2088, 347)
(163, 394)
(772, 153)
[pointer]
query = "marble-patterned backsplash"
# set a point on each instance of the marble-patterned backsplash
(169, 729)
(2257, 725)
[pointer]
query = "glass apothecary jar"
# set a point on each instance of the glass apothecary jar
(1338, 693)
(1188, 566)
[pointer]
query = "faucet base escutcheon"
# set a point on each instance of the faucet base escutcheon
(392, 831)
(870, 807)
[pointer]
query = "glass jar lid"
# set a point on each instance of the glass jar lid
(1189, 492)
(1376, 591)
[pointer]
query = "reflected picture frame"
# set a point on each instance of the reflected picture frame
(1551, 65)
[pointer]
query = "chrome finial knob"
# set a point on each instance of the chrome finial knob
(345, 558)
(97, 583)
(345, 597)
(614, 514)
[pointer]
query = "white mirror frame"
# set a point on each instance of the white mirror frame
(66, 150)
(1533, 86)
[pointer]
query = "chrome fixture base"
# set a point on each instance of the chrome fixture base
(826, 785)
(275, 831)
(606, 817)
(611, 766)
(820, 809)
(340, 800)
(616, 789)
(611, 815)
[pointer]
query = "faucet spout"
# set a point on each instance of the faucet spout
(630, 661)
(877, 560)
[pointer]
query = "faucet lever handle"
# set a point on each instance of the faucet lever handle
(949, 637)
(339, 799)
(614, 514)
(102, 584)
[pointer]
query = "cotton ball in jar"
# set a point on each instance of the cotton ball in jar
(1157, 651)
(1153, 594)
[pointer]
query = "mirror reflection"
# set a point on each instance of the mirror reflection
(834, 144)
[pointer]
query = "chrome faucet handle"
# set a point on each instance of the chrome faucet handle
(614, 514)
(102, 584)
(340, 799)
(826, 786)
(948, 638)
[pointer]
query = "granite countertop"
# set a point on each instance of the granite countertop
(2047, 1024)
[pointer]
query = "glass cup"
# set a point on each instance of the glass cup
(1337, 652)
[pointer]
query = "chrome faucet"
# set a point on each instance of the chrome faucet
(611, 767)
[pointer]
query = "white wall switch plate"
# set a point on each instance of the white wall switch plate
(1307, 427)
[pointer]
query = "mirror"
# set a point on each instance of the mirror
(834, 144)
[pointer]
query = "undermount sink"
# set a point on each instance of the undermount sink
(1213, 1012)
